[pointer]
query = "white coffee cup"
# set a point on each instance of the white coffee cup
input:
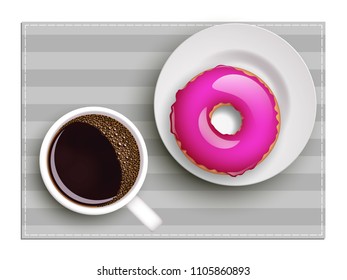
(143, 212)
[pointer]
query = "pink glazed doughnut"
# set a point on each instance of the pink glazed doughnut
(206, 147)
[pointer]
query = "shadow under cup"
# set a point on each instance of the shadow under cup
(93, 160)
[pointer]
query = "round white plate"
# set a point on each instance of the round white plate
(261, 52)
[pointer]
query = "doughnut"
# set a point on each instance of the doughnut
(202, 143)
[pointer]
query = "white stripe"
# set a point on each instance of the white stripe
(226, 199)
(174, 232)
(167, 165)
(90, 95)
(158, 28)
(99, 95)
(38, 129)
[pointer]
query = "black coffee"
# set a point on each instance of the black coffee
(94, 160)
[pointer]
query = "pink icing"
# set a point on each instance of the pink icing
(202, 143)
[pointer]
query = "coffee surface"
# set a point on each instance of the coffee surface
(94, 160)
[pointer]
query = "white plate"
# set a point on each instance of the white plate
(261, 52)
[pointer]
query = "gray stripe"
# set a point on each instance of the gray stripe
(307, 164)
(306, 43)
(177, 231)
(314, 147)
(105, 95)
(302, 165)
(91, 78)
(135, 112)
(90, 95)
(318, 130)
(48, 112)
(95, 60)
(103, 43)
(318, 77)
(188, 182)
(136, 43)
(320, 95)
(155, 28)
(320, 113)
(167, 165)
(38, 129)
(156, 147)
(106, 78)
(61, 216)
(227, 198)
(117, 60)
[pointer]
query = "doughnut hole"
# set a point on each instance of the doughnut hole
(226, 119)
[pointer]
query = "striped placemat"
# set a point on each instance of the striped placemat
(70, 65)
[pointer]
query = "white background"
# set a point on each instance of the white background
(79, 259)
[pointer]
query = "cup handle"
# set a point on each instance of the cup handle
(144, 213)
